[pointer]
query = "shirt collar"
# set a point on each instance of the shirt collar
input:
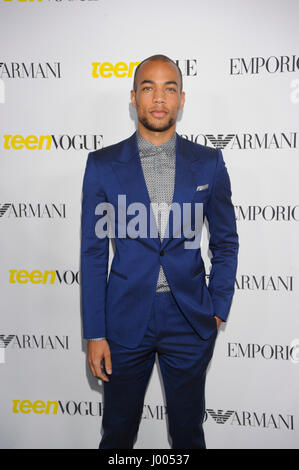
(147, 147)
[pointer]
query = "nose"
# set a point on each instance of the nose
(159, 96)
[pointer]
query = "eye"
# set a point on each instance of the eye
(171, 89)
(147, 88)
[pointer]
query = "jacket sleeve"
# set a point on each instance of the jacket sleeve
(223, 242)
(94, 255)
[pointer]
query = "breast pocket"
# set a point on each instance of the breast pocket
(201, 196)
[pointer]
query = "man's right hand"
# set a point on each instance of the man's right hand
(99, 351)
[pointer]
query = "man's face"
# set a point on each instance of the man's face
(158, 98)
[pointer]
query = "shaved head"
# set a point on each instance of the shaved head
(158, 58)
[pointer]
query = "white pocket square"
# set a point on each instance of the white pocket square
(200, 188)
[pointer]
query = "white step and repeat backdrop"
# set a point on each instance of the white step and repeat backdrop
(58, 101)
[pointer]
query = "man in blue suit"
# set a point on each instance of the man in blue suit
(156, 299)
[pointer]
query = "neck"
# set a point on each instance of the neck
(156, 138)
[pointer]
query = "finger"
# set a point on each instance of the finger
(100, 373)
(108, 363)
(95, 368)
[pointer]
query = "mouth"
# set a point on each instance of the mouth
(158, 113)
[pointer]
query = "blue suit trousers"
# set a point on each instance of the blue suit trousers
(183, 358)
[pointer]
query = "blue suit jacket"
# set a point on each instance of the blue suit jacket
(119, 309)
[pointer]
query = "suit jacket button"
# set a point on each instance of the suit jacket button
(162, 253)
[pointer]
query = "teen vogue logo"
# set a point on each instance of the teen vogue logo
(44, 277)
(48, 142)
(188, 68)
(48, 407)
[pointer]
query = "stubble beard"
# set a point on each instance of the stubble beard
(158, 128)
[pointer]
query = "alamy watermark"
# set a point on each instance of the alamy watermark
(138, 227)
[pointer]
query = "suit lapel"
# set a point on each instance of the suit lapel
(184, 188)
(130, 175)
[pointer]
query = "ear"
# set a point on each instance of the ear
(182, 100)
(133, 98)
